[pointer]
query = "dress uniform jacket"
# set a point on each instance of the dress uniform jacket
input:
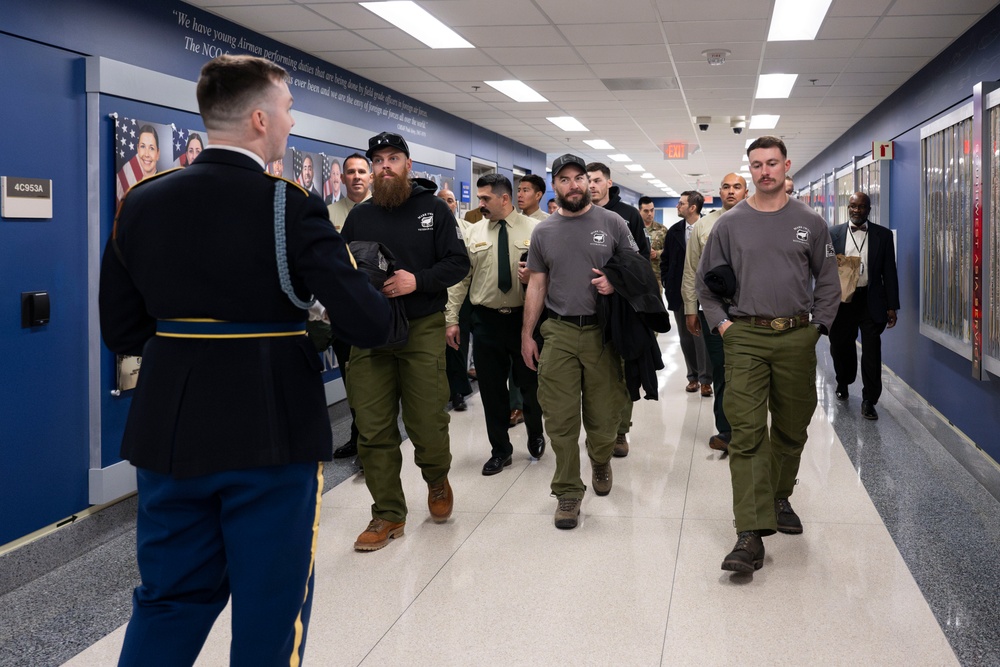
(200, 243)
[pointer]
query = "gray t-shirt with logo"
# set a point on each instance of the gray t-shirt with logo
(568, 249)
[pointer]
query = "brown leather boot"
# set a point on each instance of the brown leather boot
(440, 500)
(377, 534)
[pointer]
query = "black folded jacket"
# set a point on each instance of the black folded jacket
(722, 281)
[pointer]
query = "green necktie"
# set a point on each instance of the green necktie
(503, 259)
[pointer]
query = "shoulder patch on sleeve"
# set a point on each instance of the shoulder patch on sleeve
(290, 182)
(829, 250)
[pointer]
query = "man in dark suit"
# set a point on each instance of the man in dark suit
(672, 258)
(871, 310)
(228, 424)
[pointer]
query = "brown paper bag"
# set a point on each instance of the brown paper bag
(849, 268)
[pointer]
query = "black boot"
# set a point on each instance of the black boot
(747, 555)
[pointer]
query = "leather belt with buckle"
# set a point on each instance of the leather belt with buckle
(504, 310)
(578, 320)
(777, 323)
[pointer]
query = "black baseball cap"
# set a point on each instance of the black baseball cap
(565, 161)
(386, 140)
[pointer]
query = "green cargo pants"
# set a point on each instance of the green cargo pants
(378, 380)
(774, 371)
(576, 366)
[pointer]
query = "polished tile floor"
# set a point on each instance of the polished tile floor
(638, 582)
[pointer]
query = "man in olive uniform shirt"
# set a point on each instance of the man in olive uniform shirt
(495, 246)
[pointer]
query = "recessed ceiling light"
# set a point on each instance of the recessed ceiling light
(774, 86)
(745, 158)
(599, 144)
(415, 21)
(567, 123)
(620, 157)
(635, 167)
(516, 90)
(763, 122)
(647, 175)
(794, 20)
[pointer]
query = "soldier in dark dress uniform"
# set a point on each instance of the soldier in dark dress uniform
(228, 424)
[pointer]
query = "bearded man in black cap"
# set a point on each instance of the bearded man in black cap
(420, 231)
(565, 257)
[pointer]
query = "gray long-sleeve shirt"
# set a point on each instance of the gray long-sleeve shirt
(775, 256)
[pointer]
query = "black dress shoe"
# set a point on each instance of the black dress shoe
(346, 450)
(458, 403)
(868, 410)
(536, 446)
(495, 465)
(842, 392)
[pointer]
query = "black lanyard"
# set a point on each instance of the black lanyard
(861, 268)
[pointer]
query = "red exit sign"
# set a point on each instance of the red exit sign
(675, 151)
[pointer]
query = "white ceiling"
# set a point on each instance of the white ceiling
(563, 49)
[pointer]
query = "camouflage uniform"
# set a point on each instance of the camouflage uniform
(656, 233)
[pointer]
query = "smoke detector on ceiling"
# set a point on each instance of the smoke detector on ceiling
(716, 56)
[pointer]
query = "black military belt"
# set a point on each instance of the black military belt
(506, 310)
(578, 320)
(777, 323)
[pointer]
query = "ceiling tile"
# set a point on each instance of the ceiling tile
(276, 18)
(391, 75)
(894, 27)
(481, 12)
(530, 73)
(915, 7)
(722, 32)
(313, 41)
(858, 7)
(671, 10)
(425, 57)
(512, 36)
(623, 54)
(356, 58)
(350, 15)
(854, 27)
(821, 48)
(598, 13)
(548, 55)
(731, 67)
(392, 39)
(908, 47)
(613, 34)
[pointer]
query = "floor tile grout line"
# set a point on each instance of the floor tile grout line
(680, 536)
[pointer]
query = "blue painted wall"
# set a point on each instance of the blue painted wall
(44, 409)
(942, 377)
(43, 393)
